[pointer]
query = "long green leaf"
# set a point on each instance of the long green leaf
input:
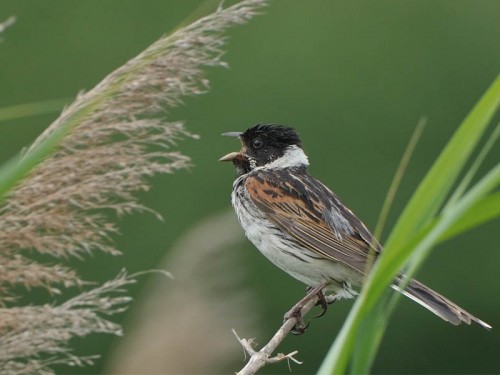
(419, 212)
(398, 176)
(456, 218)
(452, 214)
(19, 166)
(474, 167)
(438, 182)
(371, 331)
(487, 209)
(32, 109)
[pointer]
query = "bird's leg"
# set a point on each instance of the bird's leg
(321, 302)
(324, 301)
(295, 311)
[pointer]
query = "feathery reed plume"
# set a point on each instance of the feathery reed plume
(58, 196)
(27, 331)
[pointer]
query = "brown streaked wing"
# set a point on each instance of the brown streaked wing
(301, 216)
(363, 231)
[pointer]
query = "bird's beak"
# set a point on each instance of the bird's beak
(232, 134)
(232, 155)
(229, 157)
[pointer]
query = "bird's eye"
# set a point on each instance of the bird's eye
(257, 143)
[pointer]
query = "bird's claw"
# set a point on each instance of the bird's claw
(299, 330)
(321, 302)
(324, 301)
(300, 327)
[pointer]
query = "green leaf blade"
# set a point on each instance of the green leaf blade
(417, 217)
(487, 209)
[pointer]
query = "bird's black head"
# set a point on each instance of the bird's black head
(266, 143)
(263, 144)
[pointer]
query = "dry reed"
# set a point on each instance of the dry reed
(101, 151)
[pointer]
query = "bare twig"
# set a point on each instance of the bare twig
(261, 358)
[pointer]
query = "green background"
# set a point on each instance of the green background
(353, 77)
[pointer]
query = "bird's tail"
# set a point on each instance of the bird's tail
(438, 304)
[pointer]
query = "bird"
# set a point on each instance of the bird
(303, 228)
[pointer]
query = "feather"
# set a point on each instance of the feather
(309, 212)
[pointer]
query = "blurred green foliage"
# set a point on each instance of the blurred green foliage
(353, 77)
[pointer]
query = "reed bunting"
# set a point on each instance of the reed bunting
(302, 227)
